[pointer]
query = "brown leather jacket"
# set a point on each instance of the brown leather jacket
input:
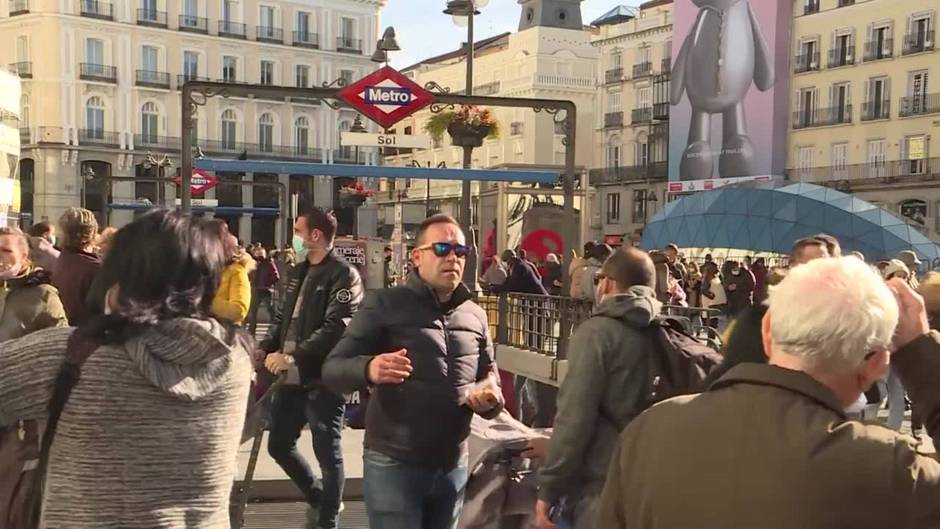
(771, 448)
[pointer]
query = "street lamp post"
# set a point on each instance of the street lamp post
(161, 164)
(88, 174)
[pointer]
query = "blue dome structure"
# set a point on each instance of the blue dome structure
(771, 220)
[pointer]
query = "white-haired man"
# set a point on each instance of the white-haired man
(770, 446)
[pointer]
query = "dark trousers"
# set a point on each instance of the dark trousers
(257, 298)
(291, 410)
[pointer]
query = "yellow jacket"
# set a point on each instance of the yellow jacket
(233, 298)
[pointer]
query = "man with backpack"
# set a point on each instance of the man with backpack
(604, 388)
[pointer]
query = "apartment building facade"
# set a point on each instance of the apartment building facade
(866, 103)
(631, 135)
(101, 98)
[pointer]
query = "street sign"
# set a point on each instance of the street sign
(401, 141)
(201, 181)
(202, 202)
(386, 96)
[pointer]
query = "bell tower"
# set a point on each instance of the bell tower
(563, 14)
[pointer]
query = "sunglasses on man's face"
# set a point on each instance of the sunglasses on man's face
(443, 249)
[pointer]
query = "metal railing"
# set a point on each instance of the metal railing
(97, 72)
(153, 79)
(235, 30)
(661, 111)
(151, 17)
(874, 172)
(348, 155)
(807, 62)
(810, 7)
(305, 39)
(842, 57)
(920, 105)
(644, 69)
(156, 141)
(843, 3)
(99, 137)
(193, 24)
(542, 324)
(666, 65)
(97, 9)
(255, 149)
(614, 75)
(641, 115)
(23, 69)
(182, 78)
(822, 117)
(875, 51)
(614, 175)
(613, 119)
(348, 45)
(918, 42)
(269, 34)
(872, 110)
(19, 7)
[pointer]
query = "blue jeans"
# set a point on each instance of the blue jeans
(405, 496)
(291, 410)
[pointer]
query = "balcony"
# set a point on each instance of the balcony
(810, 7)
(843, 3)
(194, 24)
(152, 141)
(918, 42)
(614, 75)
(613, 120)
(516, 128)
(348, 45)
(153, 79)
(920, 105)
(96, 9)
(97, 72)
(641, 115)
(22, 69)
(264, 151)
(348, 155)
(269, 34)
(182, 78)
(644, 69)
(614, 175)
(487, 89)
(875, 110)
(661, 111)
(19, 7)
(232, 30)
(875, 51)
(99, 137)
(842, 57)
(869, 173)
(822, 117)
(305, 39)
(808, 62)
(151, 18)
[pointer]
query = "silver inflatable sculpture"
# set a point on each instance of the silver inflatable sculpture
(723, 53)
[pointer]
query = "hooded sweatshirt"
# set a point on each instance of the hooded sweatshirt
(601, 393)
(149, 436)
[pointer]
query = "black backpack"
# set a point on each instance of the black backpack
(679, 362)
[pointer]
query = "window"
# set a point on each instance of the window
(880, 44)
(229, 69)
(266, 17)
(22, 48)
(839, 161)
(228, 10)
(877, 154)
(190, 10)
(806, 115)
(840, 103)
(347, 30)
(613, 154)
(640, 199)
(347, 76)
(808, 57)
(303, 25)
(94, 117)
(148, 59)
(915, 153)
(915, 211)
(301, 135)
(643, 97)
(149, 119)
(267, 72)
(920, 34)
(616, 60)
(877, 103)
(613, 208)
(614, 103)
(303, 76)
(810, 7)
(149, 9)
(804, 161)
(94, 51)
(917, 100)
(642, 154)
(842, 52)
(229, 128)
(190, 65)
(266, 133)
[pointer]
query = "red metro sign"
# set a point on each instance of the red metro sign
(386, 96)
(200, 182)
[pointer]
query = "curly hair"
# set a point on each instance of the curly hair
(79, 228)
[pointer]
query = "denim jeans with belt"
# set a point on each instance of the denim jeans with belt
(401, 495)
(291, 410)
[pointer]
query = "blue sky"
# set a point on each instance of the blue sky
(424, 31)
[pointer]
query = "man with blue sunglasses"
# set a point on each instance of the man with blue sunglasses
(440, 371)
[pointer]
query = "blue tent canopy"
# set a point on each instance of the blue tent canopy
(771, 220)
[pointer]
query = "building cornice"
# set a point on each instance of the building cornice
(632, 36)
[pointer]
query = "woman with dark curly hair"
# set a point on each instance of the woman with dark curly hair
(150, 414)
(78, 263)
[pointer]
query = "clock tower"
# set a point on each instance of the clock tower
(562, 14)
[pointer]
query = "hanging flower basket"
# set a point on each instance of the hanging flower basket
(466, 135)
(353, 195)
(467, 127)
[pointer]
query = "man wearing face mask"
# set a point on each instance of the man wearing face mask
(323, 293)
(603, 390)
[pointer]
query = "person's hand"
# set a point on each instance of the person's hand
(390, 368)
(483, 400)
(912, 320)
(542, 515)
(537, 449)
(278, 362)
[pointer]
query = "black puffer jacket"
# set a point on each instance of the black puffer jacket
(419, 421)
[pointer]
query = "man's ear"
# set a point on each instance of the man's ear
(875, 367)
(765, 334)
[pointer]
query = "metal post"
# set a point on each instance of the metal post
(571, 237)
(186, 165)
(466, 208)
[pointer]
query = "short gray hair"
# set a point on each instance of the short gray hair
(832, 313)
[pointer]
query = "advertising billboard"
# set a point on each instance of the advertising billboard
(729, 92)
